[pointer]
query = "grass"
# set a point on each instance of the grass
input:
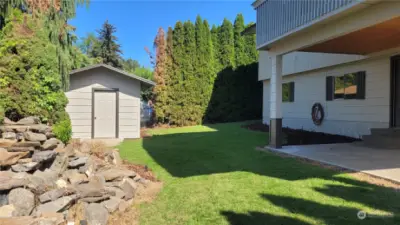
(213, 175)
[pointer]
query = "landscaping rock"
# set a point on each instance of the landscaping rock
(43, 156)
(91, 166)
(129, 187)
(31, 120)
(58, 205)
(30, 136)
(6, 143)
(21, 149)
(42, 181)
(61, 183)
(49, 135)
(6, 129)
(116, 192)
(23, 201)
(10, 158)
(95, 199)
(78, 162)
(95, 188)
(60, 163)
(74, 177)
(116, 174)
(19, 136)
(6, 211)
(125, 205)
(24, 160)
(9, 135)
(25, 167)
(55, 194)
(50, 144)
(34, 144)
(113, 157)
(40, 128)
(96, 214)
(7, 121)
(112, 204)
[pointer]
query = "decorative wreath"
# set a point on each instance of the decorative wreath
(317, 113)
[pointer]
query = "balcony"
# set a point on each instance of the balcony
(278, 18)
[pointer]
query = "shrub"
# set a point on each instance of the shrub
(63, 129)
(1, 114)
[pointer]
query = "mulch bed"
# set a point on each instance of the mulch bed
(302, 137)
(142, 170)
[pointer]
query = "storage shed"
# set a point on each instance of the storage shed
(104, 102)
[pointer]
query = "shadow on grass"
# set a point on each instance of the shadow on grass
(229, 149)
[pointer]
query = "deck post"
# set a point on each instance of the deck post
(275, 125)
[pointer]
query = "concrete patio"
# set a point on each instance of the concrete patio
(383, 163)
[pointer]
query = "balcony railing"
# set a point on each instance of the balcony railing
(278, 17)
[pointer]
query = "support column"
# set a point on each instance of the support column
(275, 125)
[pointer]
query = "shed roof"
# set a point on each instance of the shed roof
(130, 75)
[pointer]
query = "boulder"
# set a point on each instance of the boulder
(96, 214)
(23, 200)
(42, 181)
(115, 192)
(58, 205)
(55, 194)
(74, 177)
(40, 128)
(30, 136)
(50, 135)
(30, 120)
(24, 160)
(92, 165)
(129, 187)
(20, 149)
(111, 204)
(60, 163)
(10, 158)
(9, 135)
(6, 211)
(5, 143)
(80, 161)
(95, 188)
(6, 129)
(25, 167)
(116, 174)
(7, 121)
(19, 136)
(41, 156)
(113, 157)
(124, 205)
(34, 144)
(95, 199)
(50, 144)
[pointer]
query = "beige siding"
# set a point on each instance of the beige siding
(80, 101)
(346, 117)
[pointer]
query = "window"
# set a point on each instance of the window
(288, 92)
(349, 86)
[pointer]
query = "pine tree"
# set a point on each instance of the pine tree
(226, 47)
(109, 49)
(240, 54)
(159, 91)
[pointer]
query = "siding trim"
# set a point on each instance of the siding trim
(116, 90)
(392, 116)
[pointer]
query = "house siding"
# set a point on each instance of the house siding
(345, 117)
(79, 107)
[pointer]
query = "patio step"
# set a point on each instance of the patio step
(381, 141)
(389, 132)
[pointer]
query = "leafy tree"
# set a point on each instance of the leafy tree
(240, 55)
(130, 65)
(226, 44)
(144, 72)
(88, 44)
(109, 49)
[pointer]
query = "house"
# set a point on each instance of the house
(104, 102)
(342, 54)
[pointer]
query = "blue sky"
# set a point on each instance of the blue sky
(137, 22)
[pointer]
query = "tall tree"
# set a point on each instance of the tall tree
(159, 91)
(109, 49)
(169, 73)
(130, 65)
(88, 43)
(226, 44)
(216, 52)
(240, 54)
(250, 48)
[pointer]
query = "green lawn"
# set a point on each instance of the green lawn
(212, 175)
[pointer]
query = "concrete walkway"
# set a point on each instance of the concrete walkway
(383, 163)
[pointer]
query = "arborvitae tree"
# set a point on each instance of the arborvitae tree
(226, 44)
(109, 49)
(168, 73)
(210, 74)
(159, 91)
(250, 48)
(216, 48)
(240, 54)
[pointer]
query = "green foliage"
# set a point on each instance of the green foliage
(108, 48)
(30, 81)
(144, 72)
(210, 75)
(130, 65)
(63, 129)
(1, 114)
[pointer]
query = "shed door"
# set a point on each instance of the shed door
(105, 114)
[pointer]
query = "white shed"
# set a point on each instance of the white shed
(104, 102)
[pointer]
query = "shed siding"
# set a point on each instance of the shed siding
(345, 117)
(80, 101)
